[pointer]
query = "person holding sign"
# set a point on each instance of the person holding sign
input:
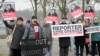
(87, 39)
(48, 35)
(15, 49)
(95, 37)
(33, 37)
(79, 41)
(64, 42)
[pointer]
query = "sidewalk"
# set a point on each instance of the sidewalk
(3, 48)
(55, 50)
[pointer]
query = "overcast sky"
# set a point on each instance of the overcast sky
(21, 4)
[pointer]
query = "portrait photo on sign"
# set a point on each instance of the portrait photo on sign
(52, 16)
(8, 11)
(75, 9)
(89, 12)
(8, 7)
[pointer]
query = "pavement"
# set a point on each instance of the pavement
(55, 51)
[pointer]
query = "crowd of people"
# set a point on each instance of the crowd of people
(37, 31)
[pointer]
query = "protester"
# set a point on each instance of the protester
(48, 35)
(79, 41)
(87, 39)
(95, 37)
(64, 42)
(15, 45)
(9, 8)
(33, 32)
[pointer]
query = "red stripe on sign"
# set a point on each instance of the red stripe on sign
(76, 12)
(9, 14)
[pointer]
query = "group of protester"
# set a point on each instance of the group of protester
(37, 31)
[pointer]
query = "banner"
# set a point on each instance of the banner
(89, 12)
(93, 29)
(34, 47)
(67, 30)
(8, 11)
(75, 9)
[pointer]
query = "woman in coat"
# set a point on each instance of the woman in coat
(15, 49)
(79, 41)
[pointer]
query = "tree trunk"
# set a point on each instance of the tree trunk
(44, 12)
(35, 7)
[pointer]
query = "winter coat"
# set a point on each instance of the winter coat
(18, 34)
(64, 41)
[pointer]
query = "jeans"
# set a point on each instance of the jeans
(50, 50)
(72, 44)
(79, 48)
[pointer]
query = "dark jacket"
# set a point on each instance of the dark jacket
(80, 40)
(95, 36)
(31, 30)
(47, 32)
(17, 35)
(64, 41)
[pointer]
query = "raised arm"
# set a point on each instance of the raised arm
(8, 25)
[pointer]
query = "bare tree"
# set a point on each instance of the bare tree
(87, 1)
(35, 5)
(62, 7)
(1, 3)
(44, 4)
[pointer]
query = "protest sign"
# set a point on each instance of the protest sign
(50, 19)
(34, 47)
(8, 11)
(89, 12)
(67, 30)
(75, 9)
(93, 29)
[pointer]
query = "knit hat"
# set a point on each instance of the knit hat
(96, 18)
